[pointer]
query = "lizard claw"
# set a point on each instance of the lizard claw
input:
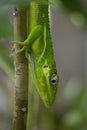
(20, 50)
(18, 42)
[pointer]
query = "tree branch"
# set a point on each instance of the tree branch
(21, 71)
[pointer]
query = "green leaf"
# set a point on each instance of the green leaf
(5, 60)
(14, 2)
(73, 118)
(76, 11)
(5, 26)
(5, 54)
(6, 68)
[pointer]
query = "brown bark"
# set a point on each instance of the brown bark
(21, 71)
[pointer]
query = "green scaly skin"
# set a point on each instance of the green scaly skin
(41, 56)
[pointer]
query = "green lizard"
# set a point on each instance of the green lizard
(38, 46)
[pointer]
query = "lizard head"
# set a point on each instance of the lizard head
(51, 75)
(48, 81)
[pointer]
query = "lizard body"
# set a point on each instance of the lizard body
(41, 55)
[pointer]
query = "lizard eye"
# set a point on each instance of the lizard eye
(54, 80)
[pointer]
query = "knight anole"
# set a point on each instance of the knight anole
(38, 46)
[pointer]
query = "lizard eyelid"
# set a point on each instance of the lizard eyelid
(45, 66)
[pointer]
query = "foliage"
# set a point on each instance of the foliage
(5, 60)
(73, 7)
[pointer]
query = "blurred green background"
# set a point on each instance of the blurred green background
(69, 35)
